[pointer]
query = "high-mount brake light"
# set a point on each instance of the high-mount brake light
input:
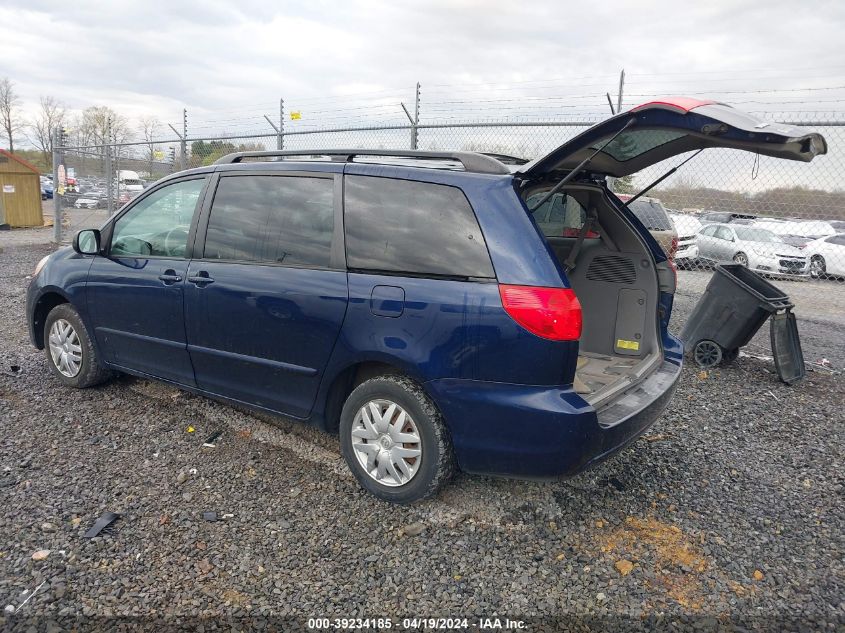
(551, 313)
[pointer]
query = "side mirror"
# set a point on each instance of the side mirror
(87, 242)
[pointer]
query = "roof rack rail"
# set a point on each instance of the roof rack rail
(507, 159)
(471, 161)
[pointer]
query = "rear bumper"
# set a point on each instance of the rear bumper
(538, 432)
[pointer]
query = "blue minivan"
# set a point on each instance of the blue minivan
(440, 310)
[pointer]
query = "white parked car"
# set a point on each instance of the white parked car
(755, 248)
(800, 228)
(86, 203)
(827, 256)
(687, 227)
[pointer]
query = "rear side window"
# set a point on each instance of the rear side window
(560, 216)
(412, 227)
(272, 219)
(724, 233)
(652, 214)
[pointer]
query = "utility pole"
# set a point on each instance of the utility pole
(109, 174)
(57, 198)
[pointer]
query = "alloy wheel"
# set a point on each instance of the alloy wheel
(817, 267)
(387, 443)
(65, 348)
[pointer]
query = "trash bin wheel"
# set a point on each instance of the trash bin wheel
(730, 355)
(707, 354)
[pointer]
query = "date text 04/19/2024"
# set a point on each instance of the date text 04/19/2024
(416, 624)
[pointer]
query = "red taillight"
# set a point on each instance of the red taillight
(673, 248)
(552, 313)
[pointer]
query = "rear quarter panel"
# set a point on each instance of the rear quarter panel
(447, 329)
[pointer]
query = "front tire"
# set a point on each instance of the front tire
(818, 267)
(70, 352)
(394, 440)
(741, 259)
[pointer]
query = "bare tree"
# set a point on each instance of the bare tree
(79, 136)
(50, 118)
(149, 128)
(9, 103)
(104, 127)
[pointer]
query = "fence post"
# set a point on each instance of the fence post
(57, 199)
(415, 126)
(281, 124)
(184, 138)
(621, 88)
(109, 178)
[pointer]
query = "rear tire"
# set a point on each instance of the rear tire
(70, 352)
(741, 259)
(394, 440)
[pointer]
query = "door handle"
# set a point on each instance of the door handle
(201, 279)
(169, 277)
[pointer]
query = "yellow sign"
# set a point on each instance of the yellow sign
(623, 344)
(158, 155)
(296, 115)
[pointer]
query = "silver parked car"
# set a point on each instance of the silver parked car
(687, 226)
(758, 249)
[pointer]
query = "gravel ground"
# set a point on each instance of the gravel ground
(730, 508)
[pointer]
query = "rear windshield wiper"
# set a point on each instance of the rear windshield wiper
(578, 169)
(662, 178)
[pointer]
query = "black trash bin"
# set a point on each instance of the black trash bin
(735, 304)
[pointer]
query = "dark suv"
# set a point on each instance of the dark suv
(439, 310)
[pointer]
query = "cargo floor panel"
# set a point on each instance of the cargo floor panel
(599, 376)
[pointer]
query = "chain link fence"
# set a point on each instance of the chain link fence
(782, 218)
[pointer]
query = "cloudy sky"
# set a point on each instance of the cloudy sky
(239, 58)
(354, 62)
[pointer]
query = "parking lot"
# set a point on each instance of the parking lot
(729, 508)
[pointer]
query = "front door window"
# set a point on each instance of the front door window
(158, 225)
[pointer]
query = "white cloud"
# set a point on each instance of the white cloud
(229, 63)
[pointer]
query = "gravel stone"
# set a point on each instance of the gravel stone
(414, 529)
